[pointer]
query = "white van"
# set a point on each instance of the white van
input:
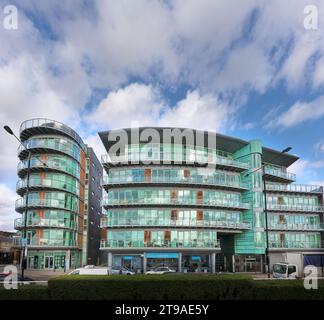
(90, 271)
(283, 270)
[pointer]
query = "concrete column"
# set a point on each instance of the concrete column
(180, 262)
(110, 260)
(233, 263)
(67, 260)
(144, 263)
(213, 262)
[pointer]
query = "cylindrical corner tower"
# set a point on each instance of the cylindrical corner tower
(54, 215)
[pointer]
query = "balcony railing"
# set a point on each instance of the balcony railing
(177, 202)
(169, 157)
(41, 242)
(280, 174)
(302, 188)
(174, 223)
(294, 245)
(47, 183)
(23, 165)
(52, 124)
(298, 226)
(295, 208)
(166, 244)
(49, 144)
(20, 204)
(46, 223)
(198, 180)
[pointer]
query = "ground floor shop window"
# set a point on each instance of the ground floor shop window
(131, 262)
(248, 263)
(195, 263)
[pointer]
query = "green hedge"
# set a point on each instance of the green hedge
(165, 287)
(26, 292)
(141, 287)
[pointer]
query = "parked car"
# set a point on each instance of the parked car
(124, 271)
(160, 270)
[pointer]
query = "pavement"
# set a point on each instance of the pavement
(39, 275)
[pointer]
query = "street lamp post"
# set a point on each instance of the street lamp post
(24, 242)
(265, 206)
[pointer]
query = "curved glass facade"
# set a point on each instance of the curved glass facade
(53, 215)
(55, 162)
(64, 145)
(51, 180)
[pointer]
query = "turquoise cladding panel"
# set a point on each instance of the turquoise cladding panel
(252, 241)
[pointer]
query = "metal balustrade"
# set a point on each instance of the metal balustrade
(295, 208)
(280, 173)
(46, 183)
(106, 223)
(299, 226)
(48, 223)
(20, 204)
(42, 242)
(71, 170)
(198, 180)
(302, 188)
(52, 124)
(294, 245)
(43, 143)
(178, 202)
(158, 244)
(169, 157)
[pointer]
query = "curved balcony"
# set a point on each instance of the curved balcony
(107, 203)
(160, 245)
(20, 204)
(295, 188)
(44, 223)
(174, 158)
(231, 225)
(277, 175)
(43, 145)
(295, 208)
(198, 181)
(49, 184)
(37, 166)
(297, 227)
(46, 126)
(49, 243)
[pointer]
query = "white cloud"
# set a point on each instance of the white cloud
(143, 104)
(299, 166)
(94, 142)
(7, 208)
(298, 113)
(318, 79)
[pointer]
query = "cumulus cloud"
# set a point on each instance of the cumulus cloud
(298, 113)
(7, 208)
(142, 104)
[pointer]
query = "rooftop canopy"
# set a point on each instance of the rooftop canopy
(223, 142)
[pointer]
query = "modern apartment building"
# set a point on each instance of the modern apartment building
(200, 206)
(62, 210)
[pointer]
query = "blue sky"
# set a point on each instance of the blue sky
(244, 68)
